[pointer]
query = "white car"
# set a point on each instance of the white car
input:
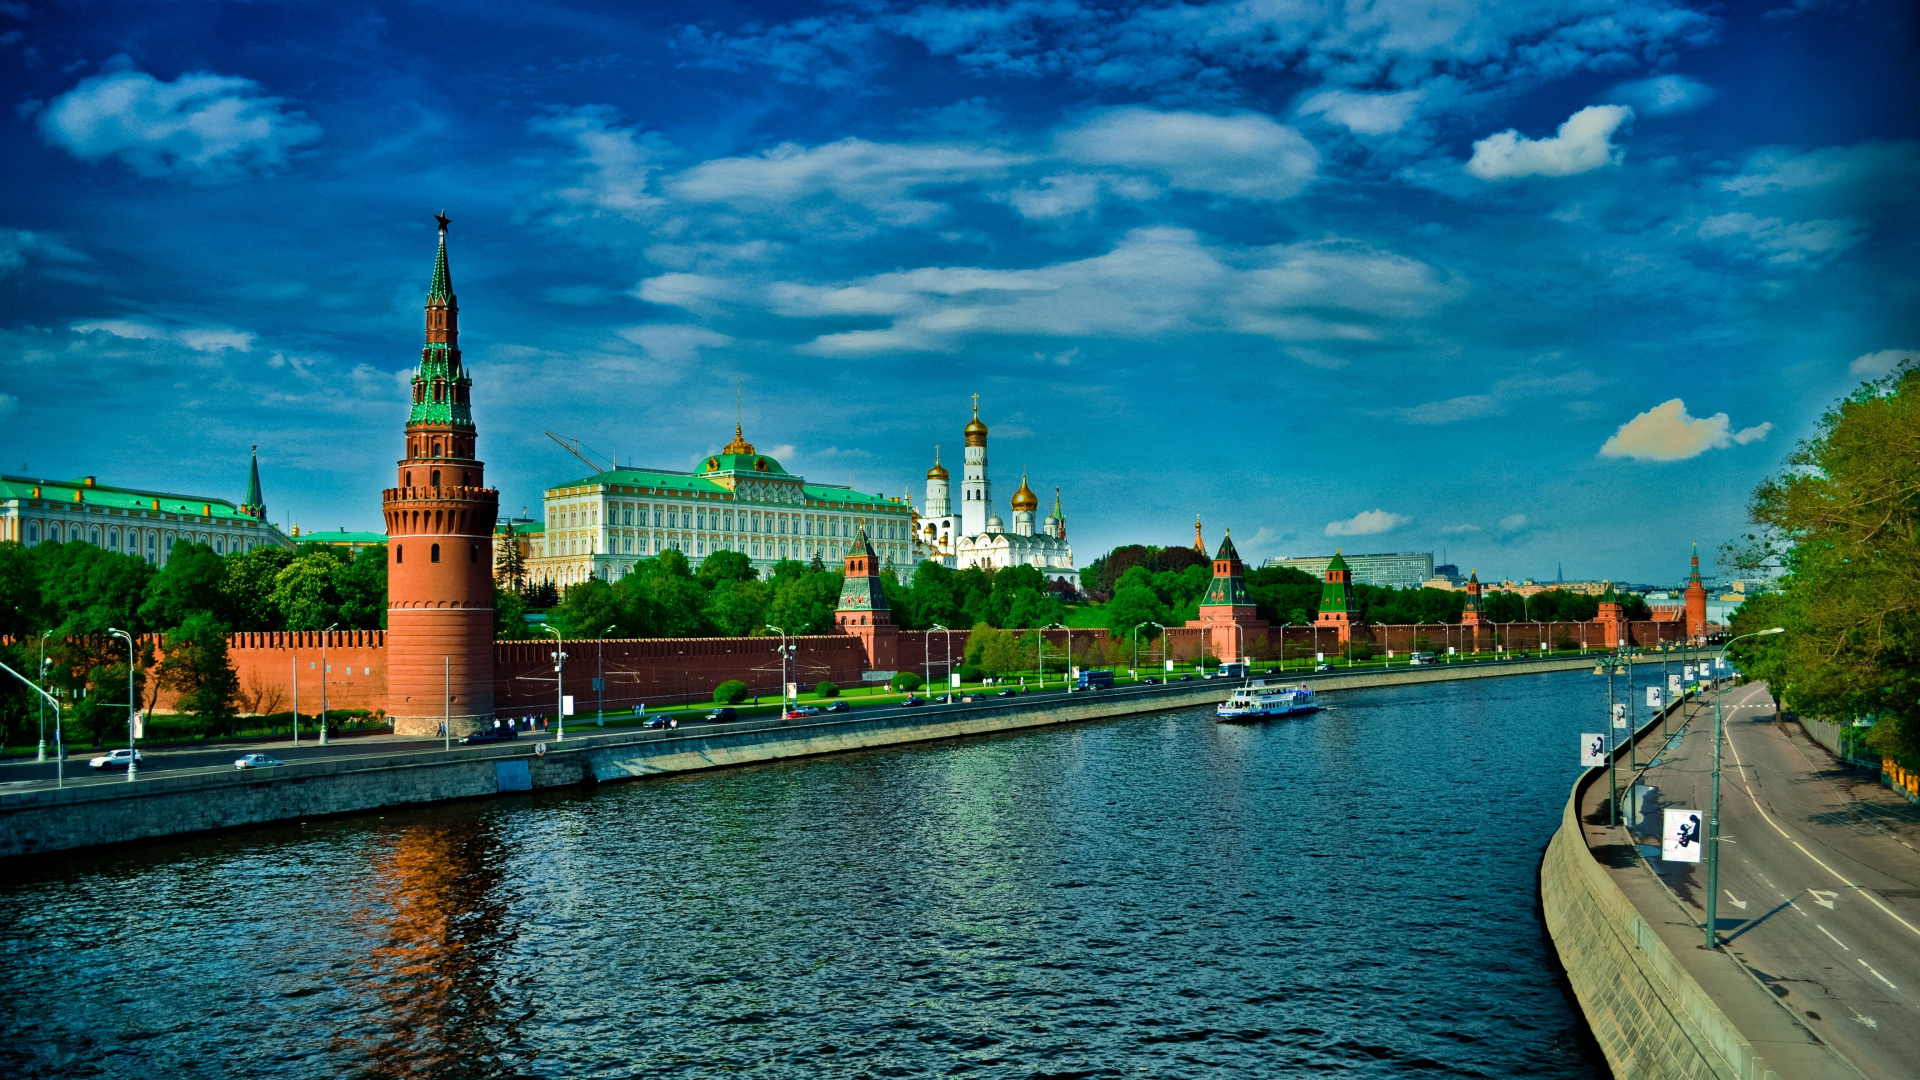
(119, 759)
(257, 761)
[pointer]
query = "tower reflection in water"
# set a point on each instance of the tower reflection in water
(427, 990)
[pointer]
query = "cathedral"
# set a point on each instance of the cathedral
(975, 535)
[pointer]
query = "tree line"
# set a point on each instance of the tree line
(1840, 523)
(68, 597)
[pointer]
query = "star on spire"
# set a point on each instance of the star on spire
(443, 219)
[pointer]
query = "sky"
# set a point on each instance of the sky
(1542, 286)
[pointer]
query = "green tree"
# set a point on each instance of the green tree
(362, 588)
(588, 609)
(192, 583)
(509, 615)
(20, 611)
(248, 586)
(737, 607)
(197, 668)
(725, 566)
(731, 692)
(306, 590)
(1133, 604)
(933, 599)
(804, 603)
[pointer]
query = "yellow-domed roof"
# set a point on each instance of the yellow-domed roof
(739, 445)
(1025, 499)
(976, 431)
(939, 471)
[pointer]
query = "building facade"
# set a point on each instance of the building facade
(973, 535)
(440, 656)
(738, 500)
(132, 521)
(1405, 570)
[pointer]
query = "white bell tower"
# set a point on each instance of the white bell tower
(976, 492)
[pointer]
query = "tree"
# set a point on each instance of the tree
(20, 612)
(725, 566)
(1842, 519)
(362, 588)
(1132, 604)
(589, 608)
(198, 669)
(248, 586)
(509, 566)
(192, 583)
(509, 614)
(305, 590)
(731, 692)
(737, 608)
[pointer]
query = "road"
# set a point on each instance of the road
(1819, 875)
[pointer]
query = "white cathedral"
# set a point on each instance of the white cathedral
(975, 536)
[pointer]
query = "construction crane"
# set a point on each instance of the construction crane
(572, 446)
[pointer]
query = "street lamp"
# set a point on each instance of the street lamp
(1069, 630)
(600, 677)
(133, 754)
(60, 750)
(42, 710)
(947, 638)
(783, 666)
(1136, 644)
(559, 687)
(324, 669)
(1713, 814)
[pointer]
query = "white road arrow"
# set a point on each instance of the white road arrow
(1741, 904)
(1823, 898)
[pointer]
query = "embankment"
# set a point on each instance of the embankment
(60, 819)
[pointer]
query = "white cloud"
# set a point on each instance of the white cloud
(617, 163)
(204, 339)
(200, 126)
(1513, 523)
(1364, 114)
(1664, 95)
(1453, 409)
(673, 342)
(1460, 530)
(1875, 364)
(1055, 196)
(1785, 243)
(1245, 155)
(694, 292)
(1667, 433)
(1582, 144)
(882, 178)
(1368, 523)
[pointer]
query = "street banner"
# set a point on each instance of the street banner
(954, 679)
(566, 705)
(1593, 750)
(1653, 697)
(1674, 687)
(1719, 663)
(1680, 838)
(139, 725)
(1688, 672)
(1319, 658)
(1169, 664)
(793, 689)
(1619, 716)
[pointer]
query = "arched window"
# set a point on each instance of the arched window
(399, 553)
(436, 478)
(406, 478)
(434, 554)
(473, 553)
(33, 532)
(93, 536)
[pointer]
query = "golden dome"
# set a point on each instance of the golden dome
(976, 432)
(1025, 499)
(739, 445)
(939, 471)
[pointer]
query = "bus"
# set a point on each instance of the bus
(1095, 680)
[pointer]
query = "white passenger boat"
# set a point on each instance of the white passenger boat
(1257, 701)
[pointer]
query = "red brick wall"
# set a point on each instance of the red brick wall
(660, 671)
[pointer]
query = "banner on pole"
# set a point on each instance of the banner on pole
(1653, 697)
(139, 725)
(1680, 839)
(1593, 750)
(1687, 672)
(953, 679)
(1620, 715)
(1169, 664)
(566, 705)
(1720, 663)
(793, 689)
(1674, 686)
(1319, 658)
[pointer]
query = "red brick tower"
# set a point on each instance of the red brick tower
(440, 541)
(1337, 607)
(1696, 600)
(1227, 612)
(862, 610)
(1612, 618)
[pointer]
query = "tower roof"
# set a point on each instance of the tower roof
(939, 471)
(1025, 499)
(1340, 563)
(1226, 547)
(442, 287)
(861, 545)
(739, 445)
(976, 432)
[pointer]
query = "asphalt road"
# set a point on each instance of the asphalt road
(1819, 876)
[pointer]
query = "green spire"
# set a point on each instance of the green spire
(255, 502)
(1336, 595)
(442, 288)
(1229, 588)
(1226, 548)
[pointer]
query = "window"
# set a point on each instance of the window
(656, 517)
(406, 478)
(728, 522)
(809, 526)
(33, 532)
(673, 519)
(400, 553)
(473, 553)
(436, 478)
(783, 524)
(627, 515)
(113, 540)
(629, 545)
(434, 554)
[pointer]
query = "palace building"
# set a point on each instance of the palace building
(975, 535)
(737, 500)
(133, 520)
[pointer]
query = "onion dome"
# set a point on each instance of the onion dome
(739, 445)
(976, 432)
(1025, 499)
(939, 471)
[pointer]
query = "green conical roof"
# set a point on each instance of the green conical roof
(254, 498)
(1226, 547)
(1337, 563)
(442, 287)
(1609, 597)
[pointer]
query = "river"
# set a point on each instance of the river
(1158, 896)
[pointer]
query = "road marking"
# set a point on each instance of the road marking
(1835, 940)
(1741, 904)
(1824, 898)
(1768, 818)
(1867, 1020)
(1876, 974)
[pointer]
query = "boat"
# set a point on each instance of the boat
(1257, 701)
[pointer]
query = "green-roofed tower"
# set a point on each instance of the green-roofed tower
(441, 385)
(256, 504)
(862, 610)
(1227, 614)
(1337, 609)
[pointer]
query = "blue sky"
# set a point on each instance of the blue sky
(1535, 283)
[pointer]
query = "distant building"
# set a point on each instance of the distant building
(132, 520)
(1405, 570)
(343, 538)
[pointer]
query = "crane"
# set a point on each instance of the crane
(572, 446)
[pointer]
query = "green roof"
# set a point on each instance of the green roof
(442, 287)
(759, 464)
(679, 481)
(341, 536)
(120, 498)
(522, 528)
(1337, 563)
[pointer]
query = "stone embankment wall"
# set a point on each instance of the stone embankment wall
(46, 820)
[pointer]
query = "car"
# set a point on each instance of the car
(838, 706)
(914, 699)
(504, 733)
(799, 712)
(257, 761)
(1006, 693)
(119, 759)
(661, 723)
(1186, 678)
(723, 714)
(1150, 681)
(1323, 667)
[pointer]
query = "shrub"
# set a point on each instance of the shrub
(905, 680)
(731, 692)
(970, 672)
(827, 689)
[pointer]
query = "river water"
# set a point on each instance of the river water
(1158, 896)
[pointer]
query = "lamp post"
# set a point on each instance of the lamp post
(446, 703)
(59, 753)
(1713, 813)
(600, 678)
(1613, 759)
(1069, 677)
(783, 666)
(559, 687)
(42, 708)
(324, 670)
(133, 753)
(947, 638)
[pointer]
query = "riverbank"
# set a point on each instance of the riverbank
(49, 819)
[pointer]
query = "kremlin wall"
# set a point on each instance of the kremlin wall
(438, 657)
